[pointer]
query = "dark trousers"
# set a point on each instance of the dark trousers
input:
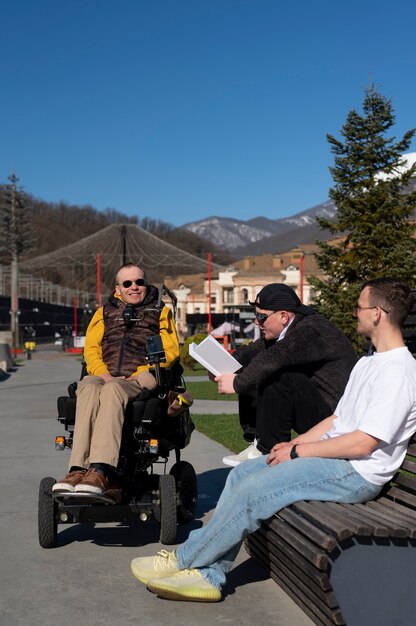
(290, 401)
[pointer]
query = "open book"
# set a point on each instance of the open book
(213, 356)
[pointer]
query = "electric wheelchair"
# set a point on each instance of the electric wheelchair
(156, 423)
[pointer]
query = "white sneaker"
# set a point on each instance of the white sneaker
(245, 455)
(145, 568)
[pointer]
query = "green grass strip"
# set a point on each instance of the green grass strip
(222, 428)
(208, 390)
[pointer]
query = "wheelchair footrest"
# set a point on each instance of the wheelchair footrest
(112, 496)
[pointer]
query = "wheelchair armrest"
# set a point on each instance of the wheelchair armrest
(171, 376)
(66, 410)
(72, 390)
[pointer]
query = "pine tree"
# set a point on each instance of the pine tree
(373, 231)
(16, 232)
(16, 237)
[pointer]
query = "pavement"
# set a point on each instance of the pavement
(86, 579)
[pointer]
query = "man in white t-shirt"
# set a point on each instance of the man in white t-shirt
(347, 457)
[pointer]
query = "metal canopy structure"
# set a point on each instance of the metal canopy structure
(75, 266)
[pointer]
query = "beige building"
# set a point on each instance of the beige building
(238, 284)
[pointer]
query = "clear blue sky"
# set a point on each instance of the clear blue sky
(182, 109)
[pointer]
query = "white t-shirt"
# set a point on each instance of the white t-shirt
(380, 400)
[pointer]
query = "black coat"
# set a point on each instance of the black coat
(312, 345)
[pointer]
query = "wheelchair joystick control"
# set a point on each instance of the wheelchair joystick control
(155, 354)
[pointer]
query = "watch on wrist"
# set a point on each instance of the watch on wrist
(293, 453)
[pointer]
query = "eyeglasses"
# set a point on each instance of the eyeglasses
(140, 282)
(262, 317)
(358, 308)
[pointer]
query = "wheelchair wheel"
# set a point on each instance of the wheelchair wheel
(187, 489)
(168, 516)
(47, 522)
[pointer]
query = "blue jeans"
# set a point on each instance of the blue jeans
(254, 491)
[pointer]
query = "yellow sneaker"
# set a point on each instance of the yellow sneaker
(187, 584)
(146, 567)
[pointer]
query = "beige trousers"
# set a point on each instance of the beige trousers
(99, 420)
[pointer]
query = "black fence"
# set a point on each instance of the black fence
(44, 322)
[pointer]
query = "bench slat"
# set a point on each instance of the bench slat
(378, 529)
(291, 557)
(406, 481)
(313, 588)
(394, 518)
(407, 513)
(399, 495)
(409, 465)
(314, 513)
(393, 531)
(299, 543)
(312, 609)
(316, 535)
(317, 616)
(356, 524)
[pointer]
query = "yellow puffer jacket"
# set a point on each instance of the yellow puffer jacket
(95, 332)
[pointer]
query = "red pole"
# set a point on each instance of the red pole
(302, 277)
(75, 317)
(209, 294)
(98, 279)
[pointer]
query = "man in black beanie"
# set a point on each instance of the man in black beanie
(292, 377)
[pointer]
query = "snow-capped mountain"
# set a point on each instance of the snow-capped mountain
(229, 233)
(233, 234)
(243, 238)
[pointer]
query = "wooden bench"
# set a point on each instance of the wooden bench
(352, 564)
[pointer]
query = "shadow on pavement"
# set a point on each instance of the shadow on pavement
(136, 534)
(247, 572)
(128, 535)
(210, 486)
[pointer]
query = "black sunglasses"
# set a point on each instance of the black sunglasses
(262, 317)
(128, 283)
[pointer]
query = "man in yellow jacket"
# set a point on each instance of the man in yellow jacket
(115, 355)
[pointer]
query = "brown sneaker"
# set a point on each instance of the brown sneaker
(70, 481)
(94, 481)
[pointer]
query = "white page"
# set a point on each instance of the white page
(213, 356)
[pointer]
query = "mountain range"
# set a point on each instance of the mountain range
(262, 235)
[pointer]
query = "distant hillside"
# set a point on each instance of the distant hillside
(56, 225)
